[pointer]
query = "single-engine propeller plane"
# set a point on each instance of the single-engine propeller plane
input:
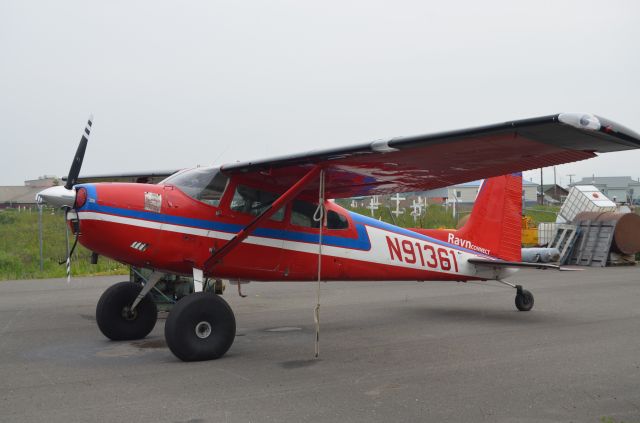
(273, 220)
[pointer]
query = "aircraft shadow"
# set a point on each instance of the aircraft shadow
(435, 314)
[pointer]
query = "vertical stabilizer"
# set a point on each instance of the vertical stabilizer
(494, 226)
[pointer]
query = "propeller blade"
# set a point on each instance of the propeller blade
(77, 160)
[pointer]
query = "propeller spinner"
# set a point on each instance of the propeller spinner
(65, 196)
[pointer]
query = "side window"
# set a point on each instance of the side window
(302, 214)
(336, 221)
(253, 201)
(212, 193)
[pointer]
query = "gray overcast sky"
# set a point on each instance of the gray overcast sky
(175, 84)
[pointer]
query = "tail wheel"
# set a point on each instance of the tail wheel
(524, 300)
(115, 318)
(201, 326)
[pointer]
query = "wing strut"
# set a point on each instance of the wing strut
(283, 200)
(320, 218)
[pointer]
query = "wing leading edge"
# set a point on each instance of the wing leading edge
(154, 177)
(425, 162)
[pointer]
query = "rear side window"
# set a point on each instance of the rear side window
(254, 201)
(336, 221)
(302, 214)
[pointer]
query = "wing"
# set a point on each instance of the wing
(150, 177)
(426, 162)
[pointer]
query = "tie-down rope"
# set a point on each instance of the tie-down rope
(318, 216)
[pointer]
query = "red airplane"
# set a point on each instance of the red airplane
(271, 220)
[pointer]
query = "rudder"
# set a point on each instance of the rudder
(494, 226)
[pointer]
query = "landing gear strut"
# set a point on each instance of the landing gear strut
(524, 298)
(201, 326)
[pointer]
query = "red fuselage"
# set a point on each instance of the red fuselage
(161, 227)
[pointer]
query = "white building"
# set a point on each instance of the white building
(466, 193)
(621, 189)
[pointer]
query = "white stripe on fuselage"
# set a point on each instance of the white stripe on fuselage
(380, 251)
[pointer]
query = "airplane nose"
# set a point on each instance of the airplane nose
(57, 197)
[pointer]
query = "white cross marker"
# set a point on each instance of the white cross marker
(397, 199)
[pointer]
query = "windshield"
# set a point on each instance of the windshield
(205, 184)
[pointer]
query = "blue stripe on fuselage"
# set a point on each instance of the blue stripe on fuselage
(362, 242)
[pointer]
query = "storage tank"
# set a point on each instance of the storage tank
(584, 198)
(626, 235)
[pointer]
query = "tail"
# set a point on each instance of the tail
(494, 227)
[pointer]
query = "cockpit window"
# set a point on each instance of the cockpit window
(254, 201)
(205, 184)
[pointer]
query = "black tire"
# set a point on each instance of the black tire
(112, 317)
(207, 314)
(524, 300)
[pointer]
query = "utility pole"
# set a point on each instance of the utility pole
(541, 189)
(571, 175)
(455, 203)
(555, 185)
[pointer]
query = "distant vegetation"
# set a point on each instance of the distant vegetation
(438, 216)
(19, 248)
(540, 213)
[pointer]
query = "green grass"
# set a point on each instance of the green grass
(540, 213)
(436, 216)
(20, 253)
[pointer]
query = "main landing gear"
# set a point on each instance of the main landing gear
(116, 318)
(201, 326)
(524, 298)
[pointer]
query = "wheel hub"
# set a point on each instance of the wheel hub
(129, 314)
(203, 330)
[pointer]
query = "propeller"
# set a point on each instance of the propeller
(65, 196)
(72, 178)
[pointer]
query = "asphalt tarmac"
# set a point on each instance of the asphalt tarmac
(390, 352)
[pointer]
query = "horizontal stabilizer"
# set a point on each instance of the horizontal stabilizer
(502, 263)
